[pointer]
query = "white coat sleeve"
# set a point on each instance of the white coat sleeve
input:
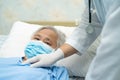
(81, 38)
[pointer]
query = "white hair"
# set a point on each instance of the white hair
(60, 34)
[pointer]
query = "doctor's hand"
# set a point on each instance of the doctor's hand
(45, 60)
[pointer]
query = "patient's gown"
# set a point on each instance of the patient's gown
(13, 69)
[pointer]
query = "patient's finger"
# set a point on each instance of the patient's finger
(31, 60)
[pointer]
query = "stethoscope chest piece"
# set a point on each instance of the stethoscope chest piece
(89, 29)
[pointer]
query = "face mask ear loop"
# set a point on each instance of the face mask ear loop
(89, 7)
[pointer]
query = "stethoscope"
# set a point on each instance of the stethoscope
(90, 28)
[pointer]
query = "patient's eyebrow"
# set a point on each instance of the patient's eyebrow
(36, 35)
(47, 39)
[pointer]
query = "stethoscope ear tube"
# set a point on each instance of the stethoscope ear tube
(89, 9)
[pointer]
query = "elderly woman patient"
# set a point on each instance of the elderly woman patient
(44, 41)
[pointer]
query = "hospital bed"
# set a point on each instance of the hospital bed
(15, 37)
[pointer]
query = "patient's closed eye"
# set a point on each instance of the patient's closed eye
(36, 38)
(48, 43)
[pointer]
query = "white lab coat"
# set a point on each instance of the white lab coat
(105, 65)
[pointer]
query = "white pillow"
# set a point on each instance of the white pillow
(20, 35)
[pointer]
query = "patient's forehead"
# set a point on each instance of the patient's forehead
(47, 32)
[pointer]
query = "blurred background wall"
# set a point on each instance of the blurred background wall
(40, 10)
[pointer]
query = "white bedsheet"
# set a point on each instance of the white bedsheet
(2, 39)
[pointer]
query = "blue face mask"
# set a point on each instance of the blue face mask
(37, 47)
